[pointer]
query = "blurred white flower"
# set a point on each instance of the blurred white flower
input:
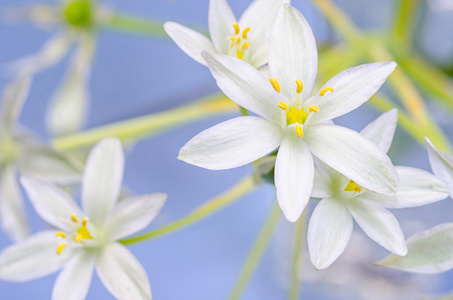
(21, 151)
(441, 164)
(331, 223)
(86, 239)
(290, 117)
(246, 39)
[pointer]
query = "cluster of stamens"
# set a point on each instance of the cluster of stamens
(239, 45)
(352, 187)
(80, 234)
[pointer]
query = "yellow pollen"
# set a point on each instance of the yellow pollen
(236, 28)
(313, 108)
(60, 234)
(244, 32)
(275, 84)
(245, 46)
(232, 39)
(73, 218)
(283, 105)
(300, 86)
(324, 90)
(299, 131)
(60, 248)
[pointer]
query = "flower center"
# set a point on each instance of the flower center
(239, 46)
(80, 232)
(352, 186)
(78, 13)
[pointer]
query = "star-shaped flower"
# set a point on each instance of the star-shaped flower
(246, 39)
(331, 224)
(86, 239)
(20, 151)
(290, 117)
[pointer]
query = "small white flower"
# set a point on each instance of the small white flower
(246, 39)
(23, 152)
(290, 117)
(441, 164)
(86, 239)
(331, 224)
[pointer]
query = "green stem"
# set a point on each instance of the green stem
(210, 207)
(146, 126)
(299, 240)
(405, 17)
(256, 253)
(137, 25)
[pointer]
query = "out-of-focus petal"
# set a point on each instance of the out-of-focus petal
(13, 99)
(442, 164)
(382, 130)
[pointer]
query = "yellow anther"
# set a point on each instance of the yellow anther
(60, 248)
(313, 108)
(275, 84)
(244, 32)
(233, 40)
(238, 40)
(73, 218)
(357, 190)
(283, 105)
(84, 221)
(240, 54)
(245, 46)
(324, 90)
(300, 86)
(236, 28)
(299, 131)
(60, 234)
(78, 238)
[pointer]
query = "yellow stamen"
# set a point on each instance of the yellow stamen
(244, 32)
(275, 84)
(78, 238)
(236, 28)
(73, 218)
(245, 46)
(324, 90)
(357, 190)
(238, 40)
(60, 234)
(233, 40)
(60, 248)
(299, 131)
(84, 221)
(240, 54)
(283, 105)
(300, 86)
(351, 187)
(313, 108)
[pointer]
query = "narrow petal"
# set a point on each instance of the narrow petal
(74, 280)
(417, 187)
(429, 251)
(327, 181)
(245, 85)
(259, 17)
(321, 184)
(133, 214)
(40, 14)
(233, 143)
(32, 258)
(379, 224)
(292, 52)
(13, 99)
(382, 130)
(50, 202)
(12, 210)
(221, 19)
(122, 274)
(441, 164)
(102, 179)
(351, 88)
(354, 156)
(189, 40)
(329, 231)
(294, 172)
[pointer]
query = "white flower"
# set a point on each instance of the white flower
(21, 151)
(441, 164)
(86, 239)
(331, 224)
(246, 39)
(290, 118)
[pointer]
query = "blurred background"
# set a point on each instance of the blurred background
(135, 75)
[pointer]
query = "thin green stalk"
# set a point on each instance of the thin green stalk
(210, 207)
(299, 241)
(403, 27)
(142, 127)
(256, 253)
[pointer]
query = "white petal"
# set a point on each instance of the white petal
(50, 202)
(32, 258)
(379, 224)
(321, 184)
(259, 17)
(382, 130)
(231, 144)
(12, 210)
(74, 280)
(327, 181)
(441, 164)
(221, 19)
(354, 156)
(102, 179)
(133, 214)
(417, 187)
(122, 274)
(294, 172)
(189, 40)
(329, 231)
(40, 14)
(429, 251)
(352, 88)
(13, 99)
(245, 85)
(292, 52)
